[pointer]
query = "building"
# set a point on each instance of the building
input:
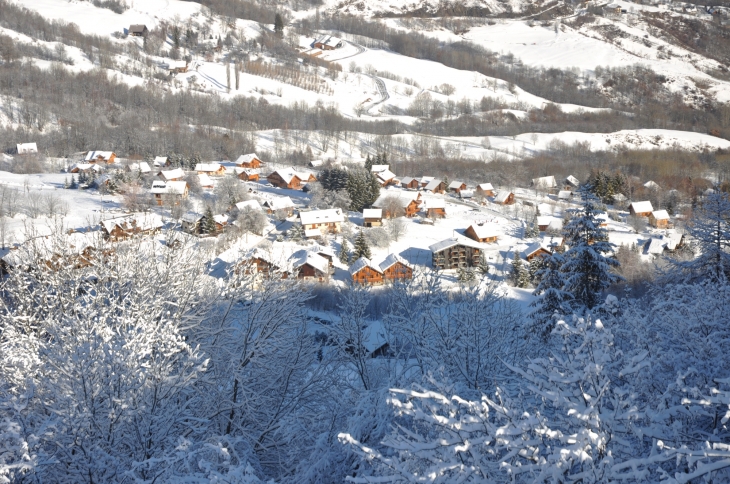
(210, 169)
(27, 149)
(395, 268)
(327, 42)
(410, 202)
(372, 217)
(485, 233)
(160, 161)
(250, 160)
(425, 180)
(436, 208)
(171, 175)
(142, 167)
(466, 194)
(363, 271)
(659, 219)
(504, 197)
(385, 177)
(107, 157)
(546, 222)
(534, 250)
(119, 228)
(279, 204)
(565, 195)
(544, 183)
(485, 189)
(318, 222)
(138, 30)
(571, 183)
(194, 223)
(309, 266)
(247, 174)
(455, 253)
(171, 192)
(641, 209)
(435, 186)
(288, 178)
(410, 183)
(457, 186)
(205, 181)
(84, 168)
(177, 67)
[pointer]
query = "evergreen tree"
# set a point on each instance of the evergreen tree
(74, 182)
(344, 254)
(483, 267)
(295, 233)
(533, 229)
(66, 184)
(208, 222)
(553, 299)
(368, 163)
(587, 268)
(536, 266)
(333, 179)
(278, 24)
(384, 158)
(361, 249)
(520, 277)
(465, 275)
(363, 189)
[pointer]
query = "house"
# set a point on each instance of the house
(160, 161)
(436, 208)
(279, 204)
(210, 169)
(545, 222)
(316, 164)
(142, 167)
(659, 219)
(107, 157)
(410, 202)
(287, 178)
(571, 183)
(534, 250)
(612, 10)
(172, 191)
(409, 183)
(84, 168)
(205, 181)
(310, 266)
(641, 209)
(565, 195)
(544, 183)
(485, 189)
(177, 67)
(379, 168)
(425, 180)
(363, 271)
(385, 177)
(466, 194)
(264, 263)
(457, 186)
(248, 205)
(372, 217)
(435, 186)
(171, 175)
(674, 240)
(504, 197)
(327, 42)
(454, 253)
(194, 223)
(138, 30)
(318, 222)
(247, 174)
(652, 185)
(485, 233)
(250, 160)
(75, 250)
(395, 268)
(325, 252)
(27, 148)
(119, 228)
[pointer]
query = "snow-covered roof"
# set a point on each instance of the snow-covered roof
(93, 155)
(426, 179)
(660, 214)
(652, 185)
(331, 215)
(385, 175)
(192, 217)
(142, 167)
(85, 167)
(180, 64)
(641, 207)
(250, 204)
(317, 261)
(316, 163)
(372, 213)
(172, 174)
(26, 148)
(361, 264)
(142, 221)
(205, 180)
(160, 161)
(435, 203)
(619, 197)
(208, 167)
(571, 180)
(565, 194)
(247, 158)
(278, 203)
(451, 242)
(406, 180)
(485, 186)
(288, 174)
(549, 241)
(673, 239)
(502, 196)
(431, 185)
(655, 246)
(220, 219)
(404, 197)
(466, 194)
(531, 249)
(456, 184)
(486, 231)
(170, 187)
(544, 182)
(379, 168)
(390, 261)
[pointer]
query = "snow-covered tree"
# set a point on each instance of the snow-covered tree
(553, 301)
(519, 275)
(361, 249)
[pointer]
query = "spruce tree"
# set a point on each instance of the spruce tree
(552, 298)
(208, 226)
(465, 275)
(368, 164)
(483, 267)
(66, 184)
(344, 254)
(278, 24)
(361, 249)
(587, 266)
(74, 182)
(533, 229)
(520, 277)
(535, 268)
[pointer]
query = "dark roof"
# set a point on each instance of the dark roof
(137, 29)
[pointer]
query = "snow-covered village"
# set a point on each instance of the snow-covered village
(326, 241)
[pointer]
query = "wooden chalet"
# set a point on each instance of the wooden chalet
(318, 222)
(457, 186)
(210, 169)
(641, 209)
(410, 202)
(485, 190)
(363, 271)
(287, 178)
(454, 253)
(425, 180)
(177, 67)
(279, 204)
(410, 183)
(193, 223)
(161, 161)
(504, 197)
(107, 157)
(546, 222)
(250, 160)
(247, 174)
(435, 186)
(170, 192)
(26, 149)
(395, 268)
(327, 42)
(142, 168)
(138, 30)
(171, 175)
(436, 208)
(372, 217)
(485, 233)
(85, 168)
(571, 183)
(310, 266)
(534, 250)
(385, 177)
(544, 183)
(119, 228)
(659, 219)
(205, 181)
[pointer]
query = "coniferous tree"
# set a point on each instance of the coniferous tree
(520, 277)
(532, 230)
(553, 299)
(74, 182)
(278, 24)
(344, 254)
(66, 184)
(483, 267)
(208, 222)
(368, 163)
(587, 266)
(536, 266)
(361, 249)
